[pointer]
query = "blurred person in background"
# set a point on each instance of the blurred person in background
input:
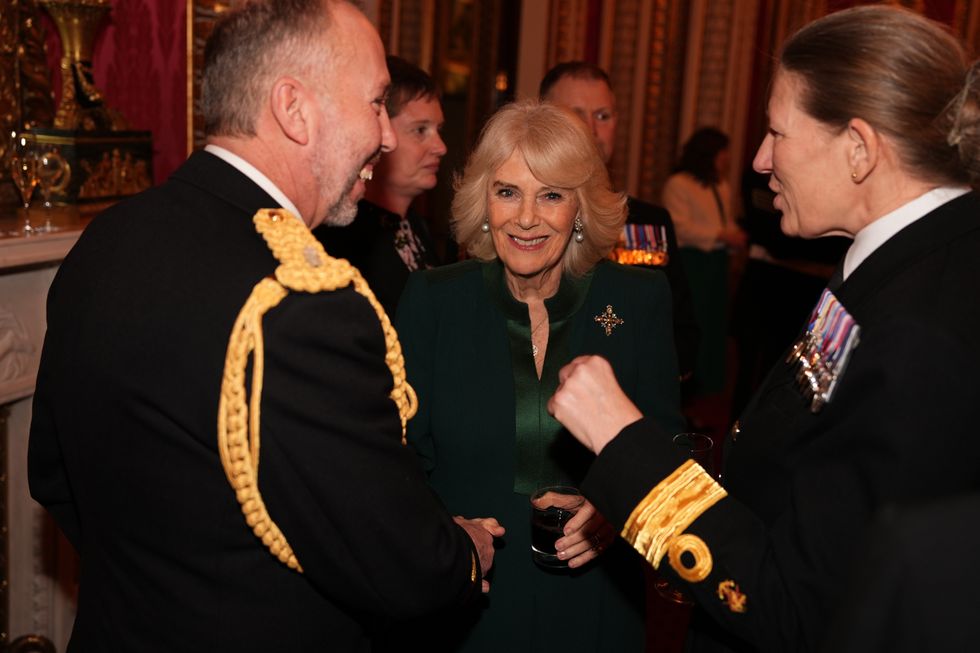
(699, 199)
(389, 239)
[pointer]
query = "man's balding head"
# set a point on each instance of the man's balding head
(297, 88)
(248, 49)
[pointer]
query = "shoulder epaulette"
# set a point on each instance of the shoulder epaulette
(304, 266)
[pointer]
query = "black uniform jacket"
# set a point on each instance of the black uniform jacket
(123, 442)
(915, 586)
(686, 331)
(803, 487)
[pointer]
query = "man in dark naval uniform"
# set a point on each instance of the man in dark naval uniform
(177, 336)
(648, 236)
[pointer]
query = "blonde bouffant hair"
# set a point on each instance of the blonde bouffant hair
(560, 152)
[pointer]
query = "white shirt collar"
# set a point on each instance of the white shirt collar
(253, 173)
(875, 234)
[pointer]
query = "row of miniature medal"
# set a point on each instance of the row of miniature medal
(641, 244)
(821, 354)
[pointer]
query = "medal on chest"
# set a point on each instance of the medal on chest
(820, 356)
(641, 244)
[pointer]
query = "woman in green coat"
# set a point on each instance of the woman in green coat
(484, 340)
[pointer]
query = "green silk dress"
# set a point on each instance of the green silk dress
(485, 437)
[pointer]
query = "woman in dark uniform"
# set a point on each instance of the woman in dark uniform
(873, 134)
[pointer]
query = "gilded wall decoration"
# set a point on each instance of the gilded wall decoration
(643, 51)
(568, 31)
(9, 84)
(25, 88)
(115, 174)
(26, 100)
(715, 65)
(82, 106)
(639, 44)
(84, 127)
(622, 72)
(412, 33)
(385, 21)
(969, 17)
(721, 50)
(663, 83)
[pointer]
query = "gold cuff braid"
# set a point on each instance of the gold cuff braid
(699, 552)
(304, 267)
(669, 508)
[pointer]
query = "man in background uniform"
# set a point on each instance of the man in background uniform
(648, 236)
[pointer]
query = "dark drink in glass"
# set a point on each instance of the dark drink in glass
(551, 508)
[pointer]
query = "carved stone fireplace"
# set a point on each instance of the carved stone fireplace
(38, 568)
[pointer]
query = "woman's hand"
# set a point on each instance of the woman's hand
(587, 534)
(590, 403)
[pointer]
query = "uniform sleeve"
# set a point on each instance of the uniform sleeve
(773, 580)
(691, 232)
(352, 501)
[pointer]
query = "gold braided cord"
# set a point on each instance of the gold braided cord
(695, 546)
(304, 267)
(669, 508)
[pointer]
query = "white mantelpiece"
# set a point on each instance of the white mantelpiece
(40, 566)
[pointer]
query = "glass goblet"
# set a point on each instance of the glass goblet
(53, 175)
(23, 171)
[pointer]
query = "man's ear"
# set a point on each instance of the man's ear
(864, 148)
(290, 108)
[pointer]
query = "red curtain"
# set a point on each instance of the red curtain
(141, 67)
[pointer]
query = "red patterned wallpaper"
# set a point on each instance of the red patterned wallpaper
(141, 67)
